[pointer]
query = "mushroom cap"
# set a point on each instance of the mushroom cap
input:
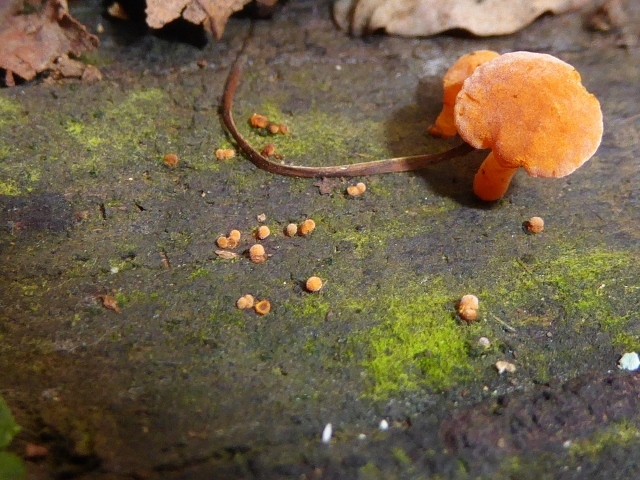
(461, 70)
(452, 82)
(532, 110)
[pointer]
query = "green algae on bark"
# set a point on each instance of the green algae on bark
(9, 112)
(318, 138)
(115, 135)
(612, 437)
(10, 169)
(587, 287)
(619, 440)
(417, 343)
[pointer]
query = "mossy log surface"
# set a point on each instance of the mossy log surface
(182, 384)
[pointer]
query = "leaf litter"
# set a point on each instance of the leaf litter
(45, 40)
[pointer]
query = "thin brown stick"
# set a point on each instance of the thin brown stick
(389, 165)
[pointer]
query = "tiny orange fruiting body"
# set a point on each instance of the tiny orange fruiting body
(357, 189)
(263, 232)
(257, 253)
(313, 284)
(468, 308)
(307, 227)
(245, 301)
(225, 153)
(268, 150)
(262, 307)
(222, 242)
(258, 121)
(535, 224)
(291, 230)
(273, 128)
(171, 160)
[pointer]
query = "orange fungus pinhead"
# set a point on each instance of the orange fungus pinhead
(262, 307)
(313, 284)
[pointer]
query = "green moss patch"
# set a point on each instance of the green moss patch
(9, 172)
(618, 435)
(417, 343)
(116, 134)
(9, 112)
(317, 138)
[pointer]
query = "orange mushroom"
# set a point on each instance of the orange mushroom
(452, 83)
(532, 111)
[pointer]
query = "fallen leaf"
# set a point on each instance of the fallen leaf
(212, 14)
(226, 254)
(109, 302)
(428, 17)
(33, 451)
(611, 17)
(116, 11)
(503, 366)
(43, 40)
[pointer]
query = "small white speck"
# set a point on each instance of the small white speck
(484, 342)
(384, 425)
(361, 436)
(130, 179)
(114, 269)
(326, 433)
(629, 361)
(566, 444)
(338, 67)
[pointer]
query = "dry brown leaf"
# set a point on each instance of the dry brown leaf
(212, 14)
(40, 41)
(428, 17)
(611, 17)
(109, 303)
(226, 254)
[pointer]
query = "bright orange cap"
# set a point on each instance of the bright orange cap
(532, 111)
(452, 83)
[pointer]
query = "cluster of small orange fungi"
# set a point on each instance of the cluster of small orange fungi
(229, 242)
(535, 225)
(247, 301)
(260, 121)
(303, 230)
(468, 308)
(257, 254)
(357, 189)
(171, 160)
(225, 153)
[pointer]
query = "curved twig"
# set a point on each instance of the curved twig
(389, 165)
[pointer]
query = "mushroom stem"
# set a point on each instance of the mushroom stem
(444, 125)
(492, 180)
